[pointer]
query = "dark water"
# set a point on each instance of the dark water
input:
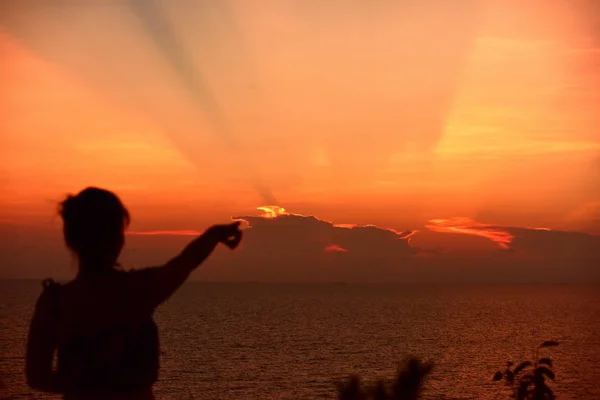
(252, 341)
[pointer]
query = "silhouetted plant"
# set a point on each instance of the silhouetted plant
(407, 385)
(528, 380)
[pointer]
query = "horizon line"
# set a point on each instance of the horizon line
(352, 283)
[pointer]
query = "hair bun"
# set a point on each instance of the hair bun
(94, 220)
(68, 206)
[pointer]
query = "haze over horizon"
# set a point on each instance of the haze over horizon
(466, 137)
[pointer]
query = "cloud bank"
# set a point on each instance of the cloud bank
(281, 246)
(285, 247)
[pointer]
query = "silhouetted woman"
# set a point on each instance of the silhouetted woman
(101, 324)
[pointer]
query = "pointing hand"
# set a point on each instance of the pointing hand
(230, 234)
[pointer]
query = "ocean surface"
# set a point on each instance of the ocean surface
(267, 341)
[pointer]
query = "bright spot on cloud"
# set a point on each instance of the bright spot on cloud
(272, 211)
(467, 226)
(335, 247)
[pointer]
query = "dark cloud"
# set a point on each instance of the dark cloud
(555, 244)
(296, 248)
(305, 248)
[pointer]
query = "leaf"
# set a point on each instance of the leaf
(527, 378)
(409, 381)
(549, 393)
(379, 392)
(549, 343)
(541, 392)
(510, 377)
(545, 361)
(545, 371)
(523, 390)
(497, 376)
(522, 366)
(351, 389)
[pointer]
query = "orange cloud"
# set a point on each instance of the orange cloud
(166, 233)
(334, 247)
(401, 235)
(271, 212)
(467, 226)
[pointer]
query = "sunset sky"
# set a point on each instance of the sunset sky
(473, 122)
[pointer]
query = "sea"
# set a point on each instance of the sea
(296, 341)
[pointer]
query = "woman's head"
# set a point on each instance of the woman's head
(94, 223)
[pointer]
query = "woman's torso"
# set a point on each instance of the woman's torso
(105, 350)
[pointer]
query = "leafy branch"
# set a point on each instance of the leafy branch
(529, 379)
(407, 385)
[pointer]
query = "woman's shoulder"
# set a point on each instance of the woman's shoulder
(47, 302)
(50, 289)
(50, 284)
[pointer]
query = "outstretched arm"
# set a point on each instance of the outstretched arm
(152, 286)
(41, 344)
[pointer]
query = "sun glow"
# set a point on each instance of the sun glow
(272, 211)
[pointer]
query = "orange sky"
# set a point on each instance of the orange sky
(385, 114)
